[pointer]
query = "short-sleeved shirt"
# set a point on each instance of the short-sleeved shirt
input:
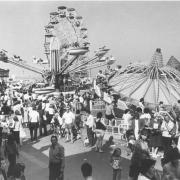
(127, 117)
(68, 117)
(34, 116)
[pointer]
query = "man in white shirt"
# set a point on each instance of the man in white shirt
(127, 117)
(34, 123)
(68, 118)
(90, 123)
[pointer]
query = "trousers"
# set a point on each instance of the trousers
(116, 174)
(54, 171)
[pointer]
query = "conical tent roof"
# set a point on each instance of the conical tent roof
(173, 62)
(157, 59)
(154, 82)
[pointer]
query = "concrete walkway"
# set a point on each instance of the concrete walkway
(35, 157)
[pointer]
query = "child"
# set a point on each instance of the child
(131, 143)
(57, 124)
(115, 162)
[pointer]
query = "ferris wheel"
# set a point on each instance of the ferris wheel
(66, 46)
(64, 31)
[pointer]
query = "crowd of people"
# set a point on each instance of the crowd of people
(149, 133)
(153, 134)
(44, 115)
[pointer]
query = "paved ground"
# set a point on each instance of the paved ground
(35, 157)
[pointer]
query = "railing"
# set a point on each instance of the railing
(119, 128)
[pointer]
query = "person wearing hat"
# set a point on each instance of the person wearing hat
(68, 118)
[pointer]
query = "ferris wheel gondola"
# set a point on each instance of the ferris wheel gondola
(111, 60)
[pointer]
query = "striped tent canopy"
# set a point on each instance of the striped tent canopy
(173, 62)
(154, 82)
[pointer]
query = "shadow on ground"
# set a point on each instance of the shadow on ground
(37, 167)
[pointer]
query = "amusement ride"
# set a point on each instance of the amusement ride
(66, 48)
(154, 82)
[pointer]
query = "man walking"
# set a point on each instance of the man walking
(34, 123)
(68, 118)
(56, 160)
(90, 124)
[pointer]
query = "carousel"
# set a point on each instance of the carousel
(154, 82)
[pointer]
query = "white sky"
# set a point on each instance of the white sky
(132, 30)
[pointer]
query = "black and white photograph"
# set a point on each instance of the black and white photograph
(89, 90)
